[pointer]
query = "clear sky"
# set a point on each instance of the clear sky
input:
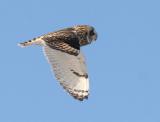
(123, 64)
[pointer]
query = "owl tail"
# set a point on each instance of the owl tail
(37, 41)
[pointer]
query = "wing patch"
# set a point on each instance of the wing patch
(64, 41)
(64, 47)
(79, 75)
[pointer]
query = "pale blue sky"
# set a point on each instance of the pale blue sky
(123, 64)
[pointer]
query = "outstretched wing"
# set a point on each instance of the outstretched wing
(70, 71)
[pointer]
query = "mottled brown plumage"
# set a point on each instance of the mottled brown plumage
(72, 37)
(62, 49)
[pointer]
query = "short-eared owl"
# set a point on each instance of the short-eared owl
(62, 49)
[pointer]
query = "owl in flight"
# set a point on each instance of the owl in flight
(62, 49)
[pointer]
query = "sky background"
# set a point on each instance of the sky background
(123, 64)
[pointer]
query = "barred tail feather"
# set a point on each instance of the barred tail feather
(37, 41)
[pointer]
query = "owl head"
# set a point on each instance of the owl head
(92, 34)
(86, 34)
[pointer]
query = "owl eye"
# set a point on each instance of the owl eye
(91, 33)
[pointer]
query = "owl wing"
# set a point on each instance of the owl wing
(65, 41)
(64, 47)
(70, 71)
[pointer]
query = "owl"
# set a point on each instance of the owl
(62, 50)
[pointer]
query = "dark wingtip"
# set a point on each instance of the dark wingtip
(81, 98)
